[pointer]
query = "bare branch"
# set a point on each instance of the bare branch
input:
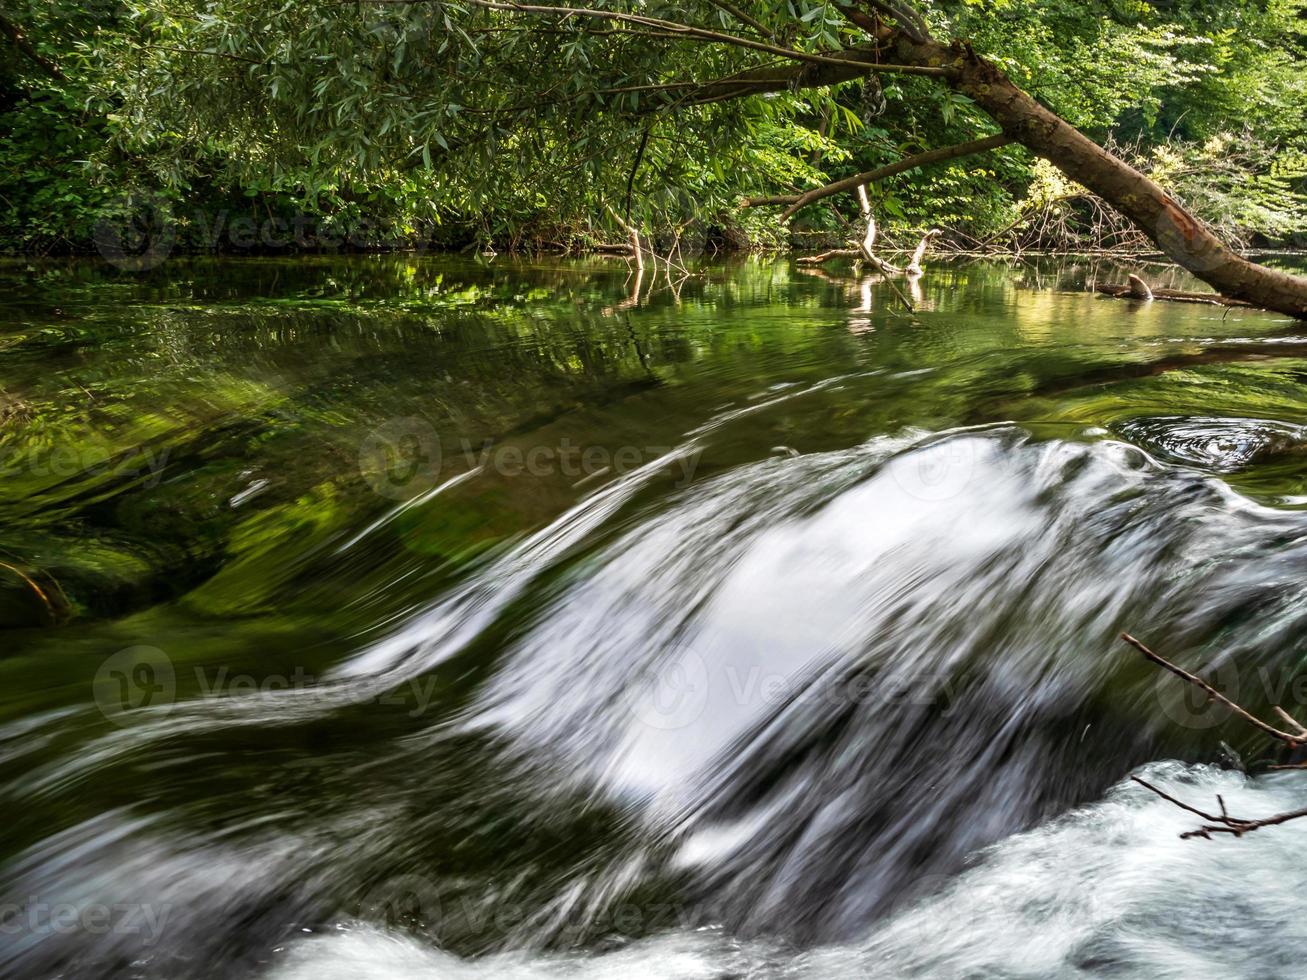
(636, 250)
(1285, 716)
(1224, 823)
(1293, 741)
(798, 201)
(914, 266)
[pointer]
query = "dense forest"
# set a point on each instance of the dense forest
(256, 124)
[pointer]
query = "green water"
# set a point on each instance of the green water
(223, 478)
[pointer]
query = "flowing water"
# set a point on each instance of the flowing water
(428, 617)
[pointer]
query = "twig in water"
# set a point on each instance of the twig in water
(1224, 823)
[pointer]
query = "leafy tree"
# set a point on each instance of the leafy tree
(516, 119)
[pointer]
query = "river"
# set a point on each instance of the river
(425, 616)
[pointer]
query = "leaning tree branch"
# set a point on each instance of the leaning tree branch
(1224, 823)
(635, 167)
(15, 34)
(743, 18)
(798, 201)
(673, 29)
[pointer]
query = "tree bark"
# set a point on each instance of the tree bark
(15, 34)
(1176, 232)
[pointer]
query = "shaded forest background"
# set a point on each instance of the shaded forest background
(97, 114)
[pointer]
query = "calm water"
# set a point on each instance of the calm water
(424, 617)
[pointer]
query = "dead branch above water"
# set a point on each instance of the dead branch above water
(1223, 823)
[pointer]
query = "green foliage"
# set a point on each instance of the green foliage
(452, 122)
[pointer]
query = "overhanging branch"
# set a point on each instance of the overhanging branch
(743, 17)
(798, 201)
(686, 31)
(841, 66)
(848, 65)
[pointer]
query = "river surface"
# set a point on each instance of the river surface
(424, 617)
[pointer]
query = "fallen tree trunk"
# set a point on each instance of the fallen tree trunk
(1176, 232)
(834, 253)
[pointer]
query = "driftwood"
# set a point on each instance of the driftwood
(634, 234)
(834, 253)
(914, 267)
(866, 251)
(1136, 288)
(1223, 823)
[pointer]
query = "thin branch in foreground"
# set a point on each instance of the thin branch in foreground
(909, 20)
(744, 18)
(1224, 823)
(1293, 741)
